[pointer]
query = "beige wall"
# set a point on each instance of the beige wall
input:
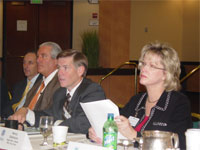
(82, 13)
(175, 22)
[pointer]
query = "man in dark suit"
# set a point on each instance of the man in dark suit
(21, 88)
(5, 106)
(75, 88)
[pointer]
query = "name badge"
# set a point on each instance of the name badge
(133, 120)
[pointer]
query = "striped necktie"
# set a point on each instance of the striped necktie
(14, 106)
(66, 110)
(33, 102)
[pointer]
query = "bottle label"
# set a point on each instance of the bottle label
(110, 140)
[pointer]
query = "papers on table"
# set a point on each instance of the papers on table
(97, 112)
(32, 131)
(83, 146)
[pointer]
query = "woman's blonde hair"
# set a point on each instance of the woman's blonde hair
(170, 61)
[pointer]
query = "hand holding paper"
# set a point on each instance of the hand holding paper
(96, 113)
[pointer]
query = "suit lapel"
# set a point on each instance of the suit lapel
(22, 88)
(18, 91)
(45, 95)
(35, 87)
(61, 101)
(38, 78)
(75, 98)
(58, 102)
(24, 85)
(32, 92)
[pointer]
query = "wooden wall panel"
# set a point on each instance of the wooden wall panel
(50, 21)
(114, 32)
(119, 88)
(193, 82)
(55, 23)
(18, 42)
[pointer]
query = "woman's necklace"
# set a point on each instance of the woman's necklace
(151, 101)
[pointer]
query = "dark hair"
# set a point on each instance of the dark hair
(79, 59)
(31, 51)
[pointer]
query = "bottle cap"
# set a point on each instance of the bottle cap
(110, 116)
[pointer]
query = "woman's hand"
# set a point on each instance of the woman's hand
(125, 128)
(93, 136)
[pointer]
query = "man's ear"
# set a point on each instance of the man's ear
(81, 70)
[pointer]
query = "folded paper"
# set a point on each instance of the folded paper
(96, 113)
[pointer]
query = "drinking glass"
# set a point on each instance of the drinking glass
(126, 143)
(46, 123)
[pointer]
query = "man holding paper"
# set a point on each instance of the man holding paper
(75, 88)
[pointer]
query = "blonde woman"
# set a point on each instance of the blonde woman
(161, 107)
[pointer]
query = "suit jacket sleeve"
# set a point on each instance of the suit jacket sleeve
(180, 118)
(5, 106)
(38, 114)
(18, 91)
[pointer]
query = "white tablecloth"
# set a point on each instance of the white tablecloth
(36, 140)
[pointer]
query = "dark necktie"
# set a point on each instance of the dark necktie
(66, 110)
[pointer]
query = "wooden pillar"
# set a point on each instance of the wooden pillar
(114, 32)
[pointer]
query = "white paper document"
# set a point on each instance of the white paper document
(97, 112)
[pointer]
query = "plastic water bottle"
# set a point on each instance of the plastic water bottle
(110, 131)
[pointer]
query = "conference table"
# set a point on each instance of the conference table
(37, 139)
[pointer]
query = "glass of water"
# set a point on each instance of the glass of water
(126, 143)
(46, 123)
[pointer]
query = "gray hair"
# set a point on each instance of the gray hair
(56, 49)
